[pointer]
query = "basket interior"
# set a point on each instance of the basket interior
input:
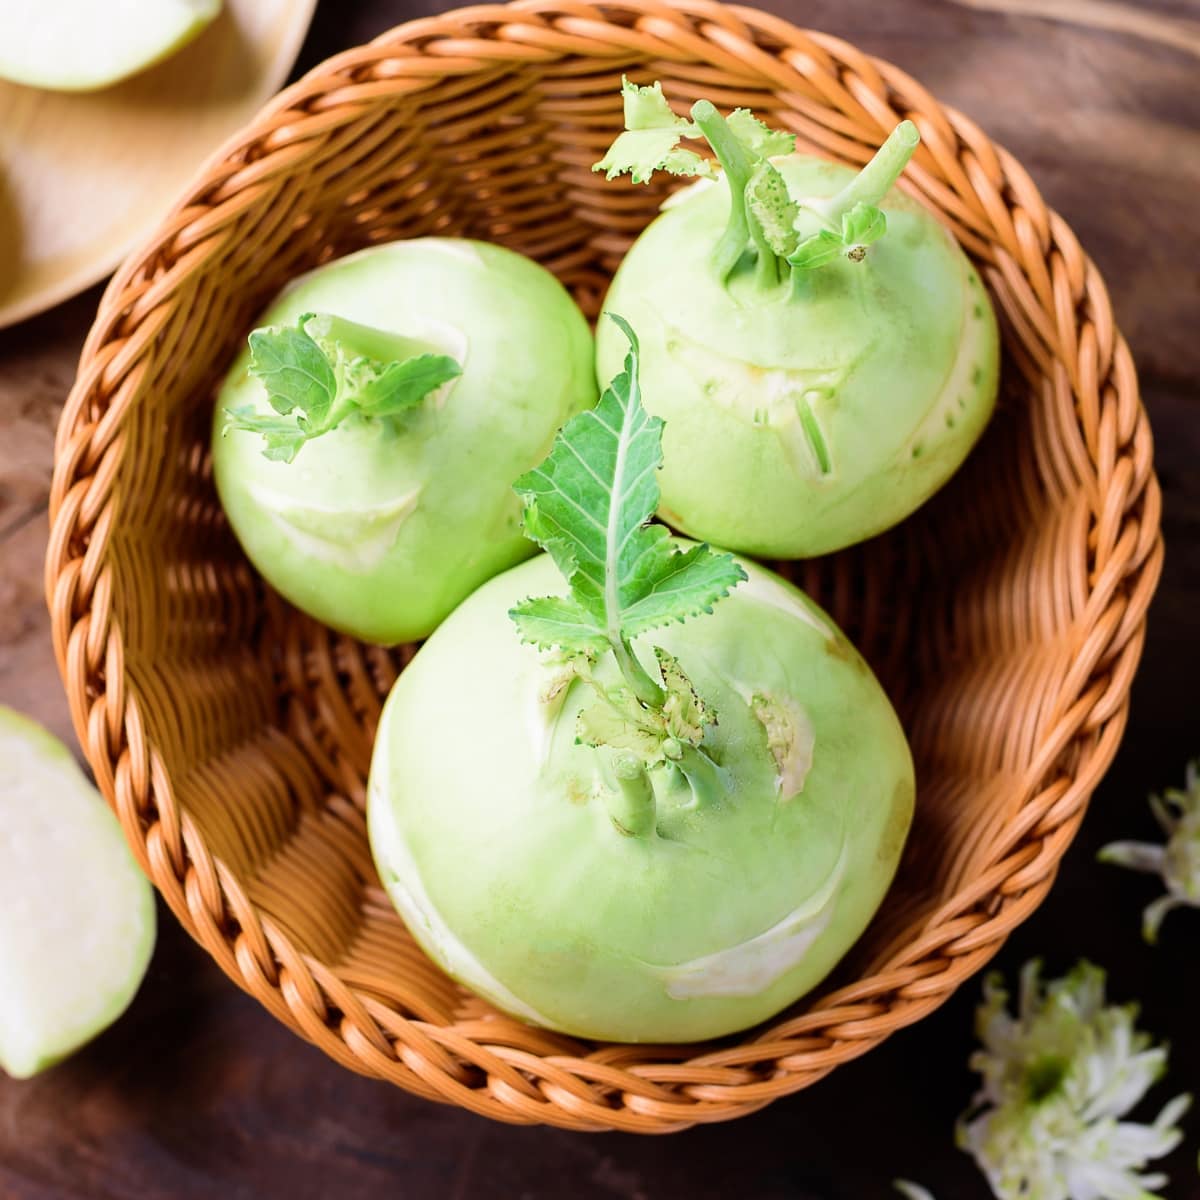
(263, 720)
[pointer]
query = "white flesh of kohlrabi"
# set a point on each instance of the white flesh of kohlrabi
(76, 915)
(81, 45)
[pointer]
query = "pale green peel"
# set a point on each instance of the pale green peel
(77, 917)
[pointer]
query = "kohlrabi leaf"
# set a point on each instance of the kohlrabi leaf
(759, 139)
(550, 622)
(588, 505)
(817, 250)
(651, 139)
(315, 378)
(293, 369)
(775, 211)
(283, 437)
(863, 224)
(860, 226)
(403, 385)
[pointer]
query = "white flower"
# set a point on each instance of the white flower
(911, 1191)
(1057, 1079)
(1178, 862)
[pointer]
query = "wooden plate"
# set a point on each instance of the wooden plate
(83, 175)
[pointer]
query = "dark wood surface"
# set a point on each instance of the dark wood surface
(196, 1092)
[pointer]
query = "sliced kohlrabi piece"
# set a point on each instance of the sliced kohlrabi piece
(82, 45)
(76, 915)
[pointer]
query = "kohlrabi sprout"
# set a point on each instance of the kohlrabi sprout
(365, 442)
(665, 809)
(822, 351)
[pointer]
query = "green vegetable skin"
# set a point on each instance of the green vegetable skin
(76, 915)
(804, 416)
(82, 45)
(491, 831)
(669, 809)
(380, 527)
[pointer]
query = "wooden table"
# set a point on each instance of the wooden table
(198, 1093)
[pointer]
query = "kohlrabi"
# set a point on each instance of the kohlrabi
(820, 348)
(657, 814)
(76, 913)
(365, 442)
(82, 45)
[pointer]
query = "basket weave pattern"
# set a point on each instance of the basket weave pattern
(233, 735)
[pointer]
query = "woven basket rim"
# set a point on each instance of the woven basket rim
(1027, 250)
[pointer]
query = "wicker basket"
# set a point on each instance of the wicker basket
(233, 735)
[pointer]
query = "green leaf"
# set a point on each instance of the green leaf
(863, 224)
(759, 139)
(293, 370)
(402, 385)
(775, 211)
(651, 139)
(550, 621)
(315, 378)
(817, 250)
(588, 505)
(671, 585)
(647, 108)
(283, 437)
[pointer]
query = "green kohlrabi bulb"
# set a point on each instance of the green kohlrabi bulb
(824, 357)
(581, 892)
(365, 443)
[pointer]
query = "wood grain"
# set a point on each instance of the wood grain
(81, 175)
(199, 1093)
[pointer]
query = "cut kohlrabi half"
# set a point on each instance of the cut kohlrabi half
(83, 45)
(76, 914)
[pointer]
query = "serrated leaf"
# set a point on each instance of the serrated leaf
(671, 585)
(588, 504)
(293, 369)
(283, 437)
(759, 139)
(817, 250)
(557, 621)
(863, 224)
(651, 139)
(688, 163)
(775, 211)
(647, 108)
(402, 385)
